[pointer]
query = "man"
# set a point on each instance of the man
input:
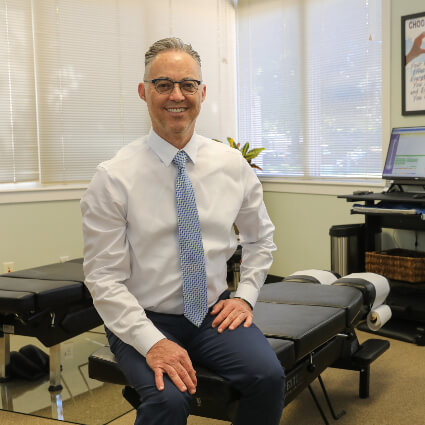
(140, 233)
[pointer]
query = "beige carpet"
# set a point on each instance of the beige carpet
(397, 391)
(397, 396)
(87, 408)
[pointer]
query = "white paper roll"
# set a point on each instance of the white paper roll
(323, 276)
(378, 317)
(380, 283)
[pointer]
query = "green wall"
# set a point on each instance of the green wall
(302, 229)
(40, 232)
(37, 233)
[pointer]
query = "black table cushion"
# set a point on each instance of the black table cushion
(69, 271)
(307, 326)
(284, 350)
(296, 293)
(16, 302)
(46, 293)
(103, 366)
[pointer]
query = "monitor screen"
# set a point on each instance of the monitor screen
(406, 154)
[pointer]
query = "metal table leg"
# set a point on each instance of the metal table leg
(55, 368)
(4, 356)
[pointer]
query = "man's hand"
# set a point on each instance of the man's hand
(168, 357)
(231, 313)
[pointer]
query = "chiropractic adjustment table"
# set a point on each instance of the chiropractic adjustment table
(310, 326)
(50, 303)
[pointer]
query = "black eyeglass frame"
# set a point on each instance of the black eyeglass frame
(198, 82)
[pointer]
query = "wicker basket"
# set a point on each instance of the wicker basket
(398, 264)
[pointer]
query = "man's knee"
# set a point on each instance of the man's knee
(279, 380)
(167, 403)
(177, 401)
(270, 378)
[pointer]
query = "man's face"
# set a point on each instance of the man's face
(173, 115)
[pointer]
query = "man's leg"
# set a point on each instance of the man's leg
(157, 407)
(244, 358)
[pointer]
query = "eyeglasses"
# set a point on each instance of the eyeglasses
(166, 85)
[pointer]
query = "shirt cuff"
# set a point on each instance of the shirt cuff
(247, 293)
(148, 339)
(246, 301)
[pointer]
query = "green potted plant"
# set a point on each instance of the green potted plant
(248, 154)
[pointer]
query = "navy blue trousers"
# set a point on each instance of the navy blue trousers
(242, 356)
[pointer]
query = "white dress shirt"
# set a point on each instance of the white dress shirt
(131, 254)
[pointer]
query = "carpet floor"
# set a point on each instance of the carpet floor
(397, 397)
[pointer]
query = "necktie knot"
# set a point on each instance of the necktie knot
(180, 159)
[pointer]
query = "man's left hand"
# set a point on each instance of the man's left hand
(231, 313)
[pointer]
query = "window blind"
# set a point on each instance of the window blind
(89, 60)
(18, 124)
(69, 71)
(310, 86)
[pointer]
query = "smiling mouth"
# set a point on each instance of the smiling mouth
(175, 110)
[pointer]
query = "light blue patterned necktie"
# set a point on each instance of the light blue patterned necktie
(190, 244)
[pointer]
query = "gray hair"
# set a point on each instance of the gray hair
(171, 43)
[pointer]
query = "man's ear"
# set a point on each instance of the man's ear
(204, 92)
(142, 93)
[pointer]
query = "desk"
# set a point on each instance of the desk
(407, 300)
(374, 222)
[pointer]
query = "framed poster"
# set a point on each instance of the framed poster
(413, 63)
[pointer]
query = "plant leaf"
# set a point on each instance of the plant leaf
(245, 148)
(256, 166)
(253, 153)
(232, 143)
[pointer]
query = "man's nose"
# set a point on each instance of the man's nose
(176, 93)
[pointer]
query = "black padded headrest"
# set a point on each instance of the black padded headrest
(29, 363)
(300, 278)
(325, 277)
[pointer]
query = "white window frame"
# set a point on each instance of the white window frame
(310, 186)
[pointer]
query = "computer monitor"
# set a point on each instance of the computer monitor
(405, 160)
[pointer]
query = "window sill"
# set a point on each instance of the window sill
(14, 194)
(22, 193)
(319, 187)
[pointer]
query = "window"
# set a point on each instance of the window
(70, 100)
(69, 71)
(310, 87)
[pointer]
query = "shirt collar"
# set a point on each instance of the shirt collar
(166, 151)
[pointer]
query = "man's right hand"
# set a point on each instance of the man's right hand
(168, 357)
